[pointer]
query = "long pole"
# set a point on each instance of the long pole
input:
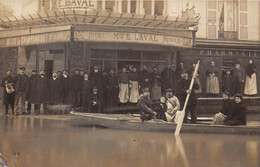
(179, 124)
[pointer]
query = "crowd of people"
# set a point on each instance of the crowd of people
(98, 89)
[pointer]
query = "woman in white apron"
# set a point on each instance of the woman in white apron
(251, 83)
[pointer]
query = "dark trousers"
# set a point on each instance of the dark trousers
(112, 100)
(66, 96)
(76, 98)
(6, 108)
(192, 109)
(237, 87)
(38, 108)
(29, 107)
(20, 95)
(95, 109)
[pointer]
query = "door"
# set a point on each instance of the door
(48, 67)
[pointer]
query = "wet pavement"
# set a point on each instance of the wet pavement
(41, 141)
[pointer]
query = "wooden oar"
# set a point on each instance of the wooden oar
(178, 128)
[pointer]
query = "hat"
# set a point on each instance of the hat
(22, 68)
(145, 90)
(168, 90)
(238, 95)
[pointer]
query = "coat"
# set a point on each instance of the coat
(146, 108)
(75, 82)
(56, 90)
(237, 115)
(7, 98)
(145, 79)
(21, 83)
(227, 107)
(183, 86)
(156, 80)
(30, 89)
(167, 77)
(41, 90)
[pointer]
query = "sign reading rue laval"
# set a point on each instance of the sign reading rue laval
(132, 38)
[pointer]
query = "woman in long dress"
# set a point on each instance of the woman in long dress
(212, 79)
(251, 84)
(134, 86)
(123, 80)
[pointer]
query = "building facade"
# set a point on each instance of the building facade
(76, 34)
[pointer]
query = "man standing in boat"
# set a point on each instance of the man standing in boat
(184, 84)
(146, 107)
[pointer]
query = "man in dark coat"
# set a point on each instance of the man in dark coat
(112, 89)
(65, 93)
(145, 78)
(56, 88)
(41, 92)
(238, 112)
(8, 97)
(30, 91)
(146, 107)
(167, 77)
(105, 88)
(96, 79)
(75, 89)
(21, 84)
(85, 90)
(238, 79)
(183, 87)
(95, 101)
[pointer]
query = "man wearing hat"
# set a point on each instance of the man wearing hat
(238, 79)
(65, 93)
(146, 107)
(237, 115)
(8, 91)
(30, 94)
(183, 87)
(227, 105)
(167, 76)
(95, 101)
(21, 84)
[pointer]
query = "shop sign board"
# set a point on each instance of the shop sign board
(52, 37)
(76, 4)
(129, 37)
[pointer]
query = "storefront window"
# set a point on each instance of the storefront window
(131, 55)
(103, 54)
(149, 55)
(110, 5)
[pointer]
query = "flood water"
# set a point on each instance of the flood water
(34, 142)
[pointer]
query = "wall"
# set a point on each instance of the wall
(28, 61)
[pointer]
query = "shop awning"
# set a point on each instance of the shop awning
(164, 28)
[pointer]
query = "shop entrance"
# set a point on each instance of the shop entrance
(48, 67)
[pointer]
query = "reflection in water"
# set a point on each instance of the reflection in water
(42, 143)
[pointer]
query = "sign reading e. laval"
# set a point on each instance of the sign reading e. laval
(76, 3)
(132, 38)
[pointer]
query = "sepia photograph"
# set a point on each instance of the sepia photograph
(129, 83)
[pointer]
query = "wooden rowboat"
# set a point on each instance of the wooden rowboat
(133, 122)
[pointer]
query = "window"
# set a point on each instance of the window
(212, 19)
(110, 5)
(243, 21)
(158, 7)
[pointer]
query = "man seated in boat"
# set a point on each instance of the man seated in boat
(95, 101)
(146, 106)
(238, 112)
(220, 117)
(173, 106)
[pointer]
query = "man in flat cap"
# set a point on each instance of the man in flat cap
(30, 94)
(75, 89)
(146, 107)
(238, 79)
(21, 84)
(183, 87)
